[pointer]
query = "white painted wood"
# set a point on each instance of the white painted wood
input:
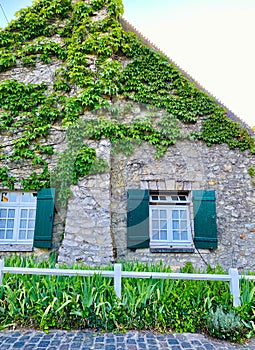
(117, 279)
(183, 276)
(234, 286)
(118, 274)
(1, 270)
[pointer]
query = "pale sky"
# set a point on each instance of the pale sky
(212, 40)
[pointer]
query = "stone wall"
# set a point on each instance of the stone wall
(191, 165)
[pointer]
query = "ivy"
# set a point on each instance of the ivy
(92, 49)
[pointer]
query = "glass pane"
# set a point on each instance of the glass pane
(22, 234)
(183, 214)
(10, 223)
(155, 235)
(27, 197)
(11, 213)
(163, 234)
(23, 224)
(184, 235)
(162, 214)
(175, 214)
(3, 213)
(155, 225)
(176, 236)
(155, 214)
(163, 224)
(30, 234)
(9, 234)
(175, 224)
(12, 197)
(183, 225)
(2, 223)
(32, 213)
(2, 234)
(31, 223)
(23, 213)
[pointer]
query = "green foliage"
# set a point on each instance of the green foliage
(5, 179)
(92, 50)
(251, 171)
(225, 325)
(81, 302)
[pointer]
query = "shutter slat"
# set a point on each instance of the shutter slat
(138, 219)
(44, 218)
(205, 225)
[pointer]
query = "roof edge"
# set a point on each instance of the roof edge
(230, 114)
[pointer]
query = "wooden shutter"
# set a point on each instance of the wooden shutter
(205, 227)
(138, 219)
(44, 218)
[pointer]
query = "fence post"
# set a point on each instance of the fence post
(117, 279)
(1, 270)
(234, 286)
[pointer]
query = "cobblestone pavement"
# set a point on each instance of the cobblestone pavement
(132, 340)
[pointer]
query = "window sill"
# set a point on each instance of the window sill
(16, 247)
(172, 249)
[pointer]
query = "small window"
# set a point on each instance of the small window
(170, 224)
(17, 217)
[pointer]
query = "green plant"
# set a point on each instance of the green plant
(100, 63)
(251, 171)
(225, 325)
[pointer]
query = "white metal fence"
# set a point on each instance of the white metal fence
(117, 274)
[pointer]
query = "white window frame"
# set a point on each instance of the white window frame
(170, 201)
(18, 205)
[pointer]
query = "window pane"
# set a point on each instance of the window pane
(183, 214)
(3, 213)
(163, 224)
(2, 234)
(10, 223)
(23, 224)
(183, 225)
(162, 214)
(12, 197)
(11, 213)
(155, 225)
(155, 235)
(30, 234)
(27, 197)
(22, 234)
(31, 223)
(184, 235)
(2, 223)
(175, 224)
(176, 236)
(32, 213)
(9, 234)
(155, 214)
(163, 234)
(23, 213)
(175, 214)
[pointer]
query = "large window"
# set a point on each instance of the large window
(17, 217)
(162, 220)
(170, 219)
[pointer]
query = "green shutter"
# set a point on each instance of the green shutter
(205, 227)
(44, 218)
(138, 219)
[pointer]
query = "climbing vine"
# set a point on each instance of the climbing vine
(100, 64)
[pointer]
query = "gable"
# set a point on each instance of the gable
(80, 57)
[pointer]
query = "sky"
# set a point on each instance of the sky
(212, 40)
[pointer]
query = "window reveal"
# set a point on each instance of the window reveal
(17, 217)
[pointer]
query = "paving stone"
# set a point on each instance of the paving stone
(132, 340)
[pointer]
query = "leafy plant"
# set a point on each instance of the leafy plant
(225, 325)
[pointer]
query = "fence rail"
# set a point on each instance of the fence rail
(117, 274)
